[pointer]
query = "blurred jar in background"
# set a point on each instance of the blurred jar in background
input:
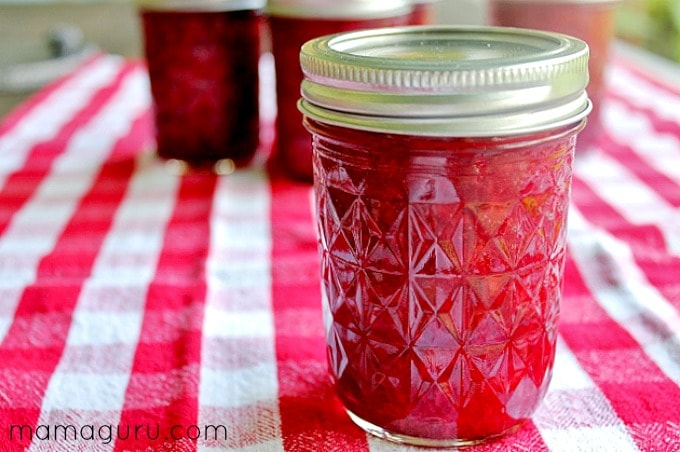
(294, 22)
(423, 12)
(203, 58)
(589, 20)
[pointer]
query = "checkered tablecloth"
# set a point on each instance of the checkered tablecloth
(145, 311)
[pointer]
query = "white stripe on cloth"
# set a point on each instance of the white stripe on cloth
(238, 388)
(567, 373)
(591, 439)
(643, 94)
(125, 258)
(634, 200)
(233, 324)
(622, 290)
(576, 405)
(35, 229)
(635, 129)
(380, 445)
(240, 238)
(267, 446)
(76, 398)
(46, 119)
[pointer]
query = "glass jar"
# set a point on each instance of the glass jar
(292, 23)
(589, 20)
(442, 170)
(203, 58)
(423, 12)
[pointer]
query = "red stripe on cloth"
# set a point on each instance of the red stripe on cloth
(638, 69)
(664, 186)
(45, 311)
(296, 348)
(646, 241)
(642, 396)
(599, 213)
(169, 347)
(12, 118)
(312, 417)
(83, 236)
(21, 185)
(659, 124)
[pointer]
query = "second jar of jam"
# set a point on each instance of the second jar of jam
(292, 23)
(424, 12)
(590, 20)
(203, 58)
(442, 170)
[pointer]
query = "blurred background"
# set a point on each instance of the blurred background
(32, 31)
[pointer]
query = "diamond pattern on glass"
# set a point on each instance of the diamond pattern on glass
(442, 290)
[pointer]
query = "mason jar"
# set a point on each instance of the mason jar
(442, 169)
(424, 12)
(292, 23)
(203, 58)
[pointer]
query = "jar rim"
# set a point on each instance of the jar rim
(443, 126)
(446, 80)
(199, 5)
(338, 9)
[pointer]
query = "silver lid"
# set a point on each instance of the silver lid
(338, 9)
(199, 5)
(446, 81)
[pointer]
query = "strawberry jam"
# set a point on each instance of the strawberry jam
(289, 30)
(423, 13)
(203, 68)
(442, 263)
(441, 208)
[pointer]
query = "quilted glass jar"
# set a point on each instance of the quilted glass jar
(203, 59)
(442, 169)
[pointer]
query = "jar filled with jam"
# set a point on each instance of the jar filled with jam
(203, 58)
(442, 171)
(292, 23)
(589, 20)
(424, 12)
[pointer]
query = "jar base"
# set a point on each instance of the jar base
(179, 167)
(425, 442)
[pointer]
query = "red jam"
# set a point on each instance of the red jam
(203, 68)
(423, 13)
(442, 263)
(294, 147)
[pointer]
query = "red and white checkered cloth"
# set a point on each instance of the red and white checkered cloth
(144, 311)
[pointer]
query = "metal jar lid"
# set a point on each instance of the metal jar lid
(338, 9)
(199, 5)
(446, 81)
